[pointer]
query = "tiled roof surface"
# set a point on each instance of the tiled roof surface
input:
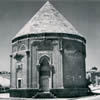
(47, 20)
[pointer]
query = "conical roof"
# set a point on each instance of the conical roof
(47, 20)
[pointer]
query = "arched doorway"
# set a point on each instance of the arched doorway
(44, 74)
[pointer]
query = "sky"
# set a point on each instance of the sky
(84, 15)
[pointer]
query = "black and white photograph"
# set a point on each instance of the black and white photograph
(49, 49)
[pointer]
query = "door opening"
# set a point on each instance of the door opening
(44, 74)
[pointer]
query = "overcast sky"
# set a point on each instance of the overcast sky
(84, 15)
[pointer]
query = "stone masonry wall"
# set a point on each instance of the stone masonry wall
(74, 64)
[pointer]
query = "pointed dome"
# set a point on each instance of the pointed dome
(47, 20)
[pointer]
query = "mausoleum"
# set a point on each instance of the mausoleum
(48, 54)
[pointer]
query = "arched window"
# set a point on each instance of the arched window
(46, 58)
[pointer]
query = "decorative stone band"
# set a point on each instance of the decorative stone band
(52, 36)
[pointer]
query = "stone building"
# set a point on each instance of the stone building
(48, 54)
(93, 76)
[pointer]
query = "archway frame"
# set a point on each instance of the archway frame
(50, 65)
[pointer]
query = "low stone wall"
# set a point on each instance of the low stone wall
(70, 92)
(59, 93)
(23, 93)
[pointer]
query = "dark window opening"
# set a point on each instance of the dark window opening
(19, 83)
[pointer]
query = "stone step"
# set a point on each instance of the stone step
(44, 95)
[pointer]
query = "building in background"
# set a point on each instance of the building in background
(48, 55)
(4, 81)
(94, 76)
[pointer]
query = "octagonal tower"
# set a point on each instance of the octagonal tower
(48, 54)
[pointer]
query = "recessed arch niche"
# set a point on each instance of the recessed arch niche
(45, 73)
